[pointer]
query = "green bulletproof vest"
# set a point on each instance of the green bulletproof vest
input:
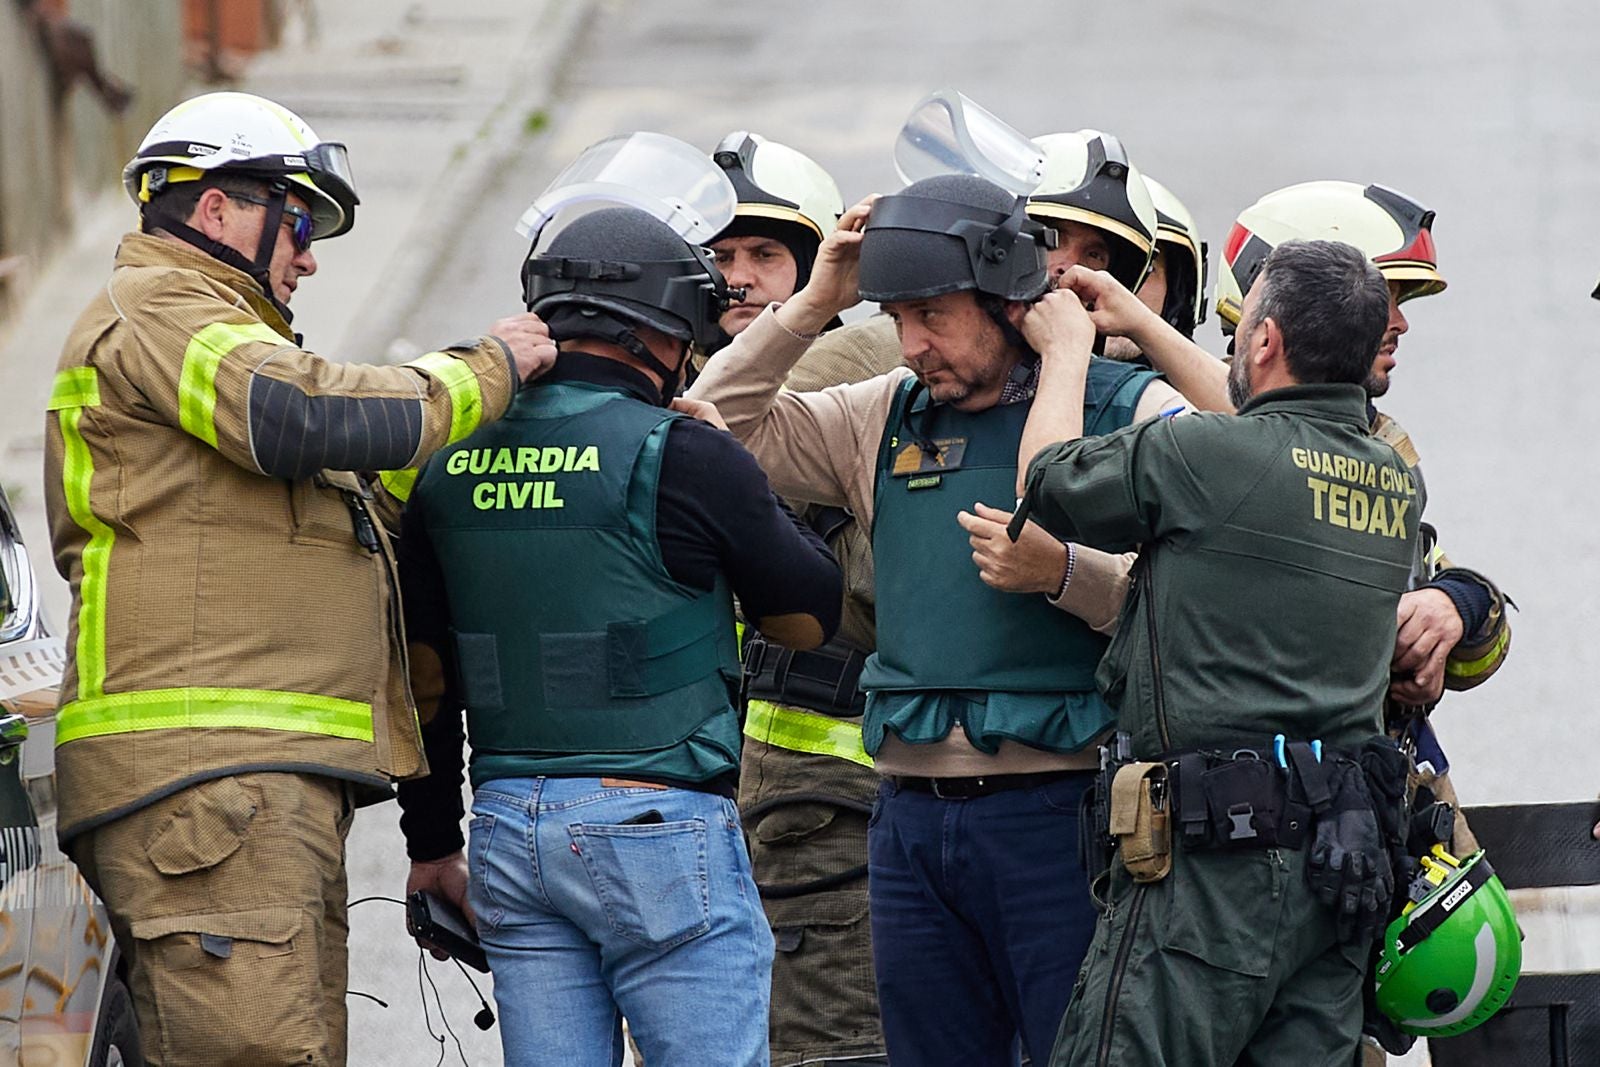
(571, 637)
(939, 626)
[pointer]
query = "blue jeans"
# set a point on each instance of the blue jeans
(586, 918)
(980, 919)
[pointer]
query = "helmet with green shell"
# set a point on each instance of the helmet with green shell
(1452, 957)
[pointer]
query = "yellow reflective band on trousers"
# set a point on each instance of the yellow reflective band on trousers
(805, 731)
(197, 385)
(1472, 668)
(466, 396)
(399, 483)
(202, 709)
(75, 390)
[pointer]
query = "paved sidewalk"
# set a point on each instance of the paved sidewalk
(433, 97)
(430, 95)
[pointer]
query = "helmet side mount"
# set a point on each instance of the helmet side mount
(990, 238)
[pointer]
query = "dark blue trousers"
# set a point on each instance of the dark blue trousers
(980, 918)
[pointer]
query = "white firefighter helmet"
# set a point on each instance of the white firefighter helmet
(1088, 179)
(774, 181)
(246, 134)
(1394, 231)
(1179, 239)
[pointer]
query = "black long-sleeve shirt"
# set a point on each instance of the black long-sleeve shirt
(715, 514)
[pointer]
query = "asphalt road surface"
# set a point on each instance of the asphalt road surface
(1482, 111)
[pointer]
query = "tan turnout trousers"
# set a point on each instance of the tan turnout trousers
(228, 902)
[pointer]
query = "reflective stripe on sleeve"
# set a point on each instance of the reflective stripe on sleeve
(805, 731)
(78, 387)
(260, 709)
(399, 483)
(197, 386)
(1472, 668)
(75, 390)
(466, 396)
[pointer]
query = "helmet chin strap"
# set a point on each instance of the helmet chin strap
(568, 323)
(260, 270)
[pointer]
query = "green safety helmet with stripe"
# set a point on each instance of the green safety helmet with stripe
(1452, 957)
(1395, 232)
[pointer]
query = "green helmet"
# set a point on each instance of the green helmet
(1453, 956)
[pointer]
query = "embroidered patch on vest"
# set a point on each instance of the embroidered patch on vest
(914, 459)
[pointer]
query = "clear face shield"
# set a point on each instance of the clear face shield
(947, 133)
(673, 181)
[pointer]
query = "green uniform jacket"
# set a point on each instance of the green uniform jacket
(1276, 546)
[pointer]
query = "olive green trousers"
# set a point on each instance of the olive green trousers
(1228, 960)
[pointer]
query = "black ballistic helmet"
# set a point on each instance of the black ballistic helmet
(619, 267)
(953, 232)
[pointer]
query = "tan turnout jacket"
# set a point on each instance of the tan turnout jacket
(234, 603)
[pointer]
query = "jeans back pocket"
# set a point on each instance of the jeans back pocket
(650, 879)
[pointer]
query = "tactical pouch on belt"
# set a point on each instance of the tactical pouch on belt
(1241, 801)
(1141, 821)
(824, 680)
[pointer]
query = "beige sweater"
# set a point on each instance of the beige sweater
(823, 447)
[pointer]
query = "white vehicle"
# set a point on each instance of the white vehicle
(62, 998)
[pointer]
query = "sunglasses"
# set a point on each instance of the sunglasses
(299, 218)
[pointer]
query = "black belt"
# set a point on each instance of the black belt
(967, 788)
(825, 680)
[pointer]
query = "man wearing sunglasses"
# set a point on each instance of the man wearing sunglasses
(237, 681)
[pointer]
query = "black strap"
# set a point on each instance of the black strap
(1434, 917)
(1312, 774)
(259, 269)
(826, 679)
(1193, 814)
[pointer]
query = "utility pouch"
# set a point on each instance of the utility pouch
(1141, 820)
(1244, 798)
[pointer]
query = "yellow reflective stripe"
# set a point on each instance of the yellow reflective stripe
(197, 385)
(1477, 666)
(201, 709)
(399, 483)
(77, 473)
(466, 396)
(75, 388)
(805, 731)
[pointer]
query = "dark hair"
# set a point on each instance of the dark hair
(178, 201)
(1330, 304)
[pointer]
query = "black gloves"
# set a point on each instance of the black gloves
(1348, 865)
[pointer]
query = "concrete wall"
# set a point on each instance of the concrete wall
(56, 151)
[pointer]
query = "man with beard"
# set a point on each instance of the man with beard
(1257, 818)
(1454, 631)
(981, 712)
(806, 784)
